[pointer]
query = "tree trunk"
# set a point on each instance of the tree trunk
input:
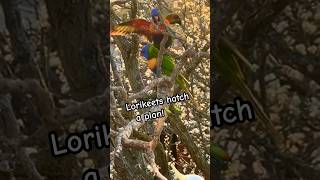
(77, 46)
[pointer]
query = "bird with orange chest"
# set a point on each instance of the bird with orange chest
(154, 30)
(150, 53)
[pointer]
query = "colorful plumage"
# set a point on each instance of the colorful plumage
(154, 31)
(181, 176)
(150, 53)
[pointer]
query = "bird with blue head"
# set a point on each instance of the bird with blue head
(155, 15)
(154, 31)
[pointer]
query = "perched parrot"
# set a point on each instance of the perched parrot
(154, 30)
(181, 176)
(150, 53)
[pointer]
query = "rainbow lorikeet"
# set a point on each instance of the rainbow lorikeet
(154, 30)
(181, 176)
(150, 53)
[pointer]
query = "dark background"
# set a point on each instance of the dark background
(54, 76)
(285, 31)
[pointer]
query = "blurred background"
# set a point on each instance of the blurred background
(54, 76)
(280, 39)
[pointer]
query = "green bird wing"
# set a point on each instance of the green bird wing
(167, 65)
(153, 52)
